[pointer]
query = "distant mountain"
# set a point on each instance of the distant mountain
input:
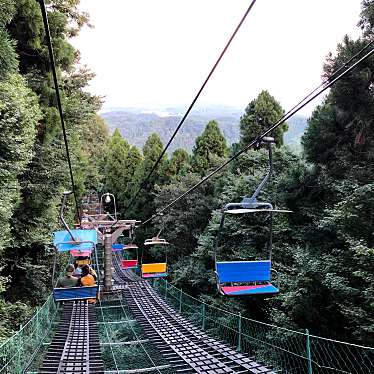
(137, 124)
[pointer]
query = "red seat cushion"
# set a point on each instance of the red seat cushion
(256, 289)
(129, 264)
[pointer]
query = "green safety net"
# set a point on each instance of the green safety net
(123, 343)
(19, 351)
(283, 349)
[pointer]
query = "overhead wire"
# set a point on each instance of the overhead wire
(144, 182)
(58, 99)
(301, 104)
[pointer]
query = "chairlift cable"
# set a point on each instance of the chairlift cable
(255, 141)
(58, 99)
(144, 182)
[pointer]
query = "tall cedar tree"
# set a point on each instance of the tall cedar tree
(32, 135)
(115, 171)
(260, 114)
(210, 146)
(132, 170)
(144, 207)
(179, 163)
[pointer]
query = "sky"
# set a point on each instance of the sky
(156, 54)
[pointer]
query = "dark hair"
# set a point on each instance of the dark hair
(85, 270)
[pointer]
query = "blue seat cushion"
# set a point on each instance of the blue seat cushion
(75, 293)
(257, 289)
(243, 271)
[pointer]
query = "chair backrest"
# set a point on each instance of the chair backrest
(243, 271)
(117, 247)
(75, 293)
(128, 264)
(86, 240)
(154, 268)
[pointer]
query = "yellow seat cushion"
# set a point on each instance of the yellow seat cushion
(154, 268)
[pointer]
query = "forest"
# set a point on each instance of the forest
(324, 250)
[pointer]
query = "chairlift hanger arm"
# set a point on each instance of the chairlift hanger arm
(218, 237)
(65, 195)
(269, 142)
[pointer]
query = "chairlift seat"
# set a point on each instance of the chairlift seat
(155, 241)
(76, 253)
(155, 270)
(131, 246)
(238, 272)
(129, 264)
(117, 247)
(86, 239)
(256, 210)
(257, 289)
(75, 293)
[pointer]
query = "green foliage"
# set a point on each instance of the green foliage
(115, 163)
(33, 165)
(8, 56)
(132, 170)
(339, 135)
(210, 145)
(259, 115)
(94, 137)
(144, 206)
(11, 316)
(367, 17)
(19, 115)
(185, 221)
(179, 163)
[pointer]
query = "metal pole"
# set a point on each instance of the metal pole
(180, 300)
(308, 352)
(239, 333)
(203, 317)
(107, 262)
(166, 289)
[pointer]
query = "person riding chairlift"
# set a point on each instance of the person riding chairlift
(68, 280)
(87, 279)
(77, 270)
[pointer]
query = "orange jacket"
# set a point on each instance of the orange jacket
(88, 280)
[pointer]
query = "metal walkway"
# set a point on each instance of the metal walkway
(187, 348)
(76, 347)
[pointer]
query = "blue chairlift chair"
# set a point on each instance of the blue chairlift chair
(248, 278)
(76, 240)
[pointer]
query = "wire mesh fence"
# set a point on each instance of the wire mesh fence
(17, 353)
(284, 349)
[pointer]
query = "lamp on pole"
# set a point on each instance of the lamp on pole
(108, 197)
